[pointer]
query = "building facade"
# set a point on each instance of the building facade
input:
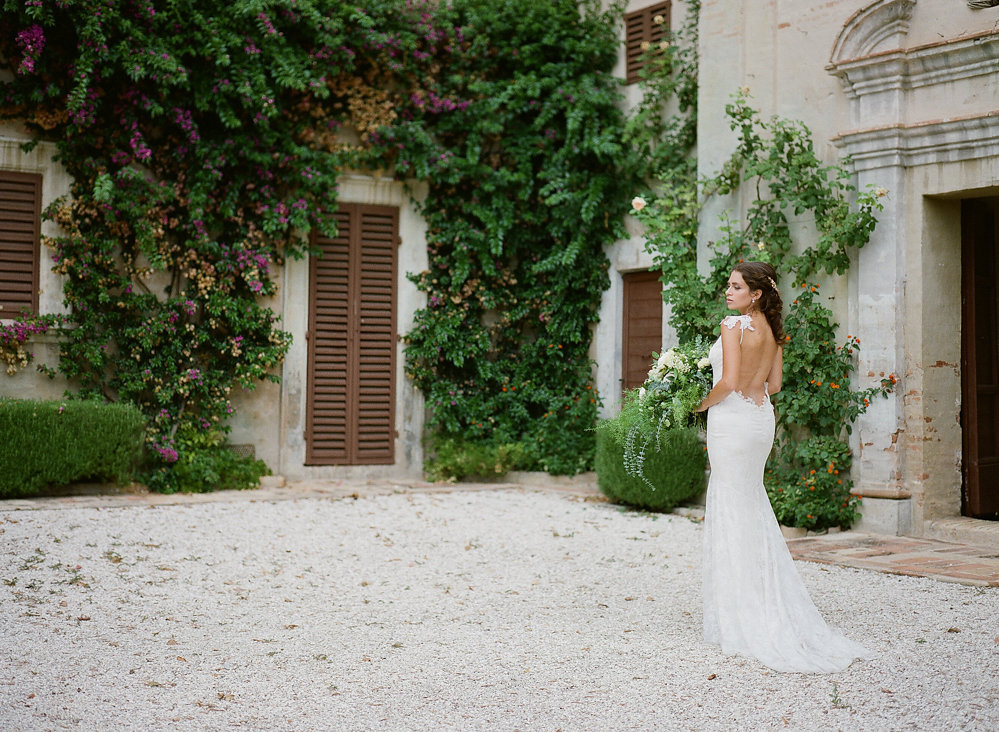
(910, 91)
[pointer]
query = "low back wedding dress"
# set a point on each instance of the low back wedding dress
(755, 603)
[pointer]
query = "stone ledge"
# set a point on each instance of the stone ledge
(896, 493)
(963, 530)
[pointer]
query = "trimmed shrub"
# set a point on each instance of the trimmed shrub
(49, 443)
(455, 459)
(676, 469)
(205, 462)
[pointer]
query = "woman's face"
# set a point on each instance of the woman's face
(737, 295)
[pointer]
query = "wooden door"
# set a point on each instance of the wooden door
(352, 340)
(979, 360)
(642, 330)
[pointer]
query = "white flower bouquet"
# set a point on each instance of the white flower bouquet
(677, 383)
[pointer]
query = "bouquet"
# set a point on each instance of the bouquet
(678, 381)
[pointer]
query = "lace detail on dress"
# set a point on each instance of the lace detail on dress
(749, 400)
(744, 322)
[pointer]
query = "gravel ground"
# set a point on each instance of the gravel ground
(498, 610)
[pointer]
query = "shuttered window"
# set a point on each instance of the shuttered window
(352, 340)
(640, 27)
(642, 329)
(20, 233)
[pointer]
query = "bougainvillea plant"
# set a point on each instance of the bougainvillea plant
(205, 140)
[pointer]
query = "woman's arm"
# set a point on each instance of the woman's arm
(731, 355)
(776, 377)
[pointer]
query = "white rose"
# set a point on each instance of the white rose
(704, 363)
(638, 203)
(641, 394)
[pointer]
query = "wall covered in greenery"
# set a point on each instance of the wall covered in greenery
(205, 140)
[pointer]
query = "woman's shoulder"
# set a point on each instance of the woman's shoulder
(745, 322)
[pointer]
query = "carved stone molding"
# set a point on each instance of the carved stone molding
(936, 63)
(941, 141)
(881, 26)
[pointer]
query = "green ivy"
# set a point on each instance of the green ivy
(523, 198)
(205, 141)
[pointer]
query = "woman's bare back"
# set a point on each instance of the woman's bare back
(758, 364)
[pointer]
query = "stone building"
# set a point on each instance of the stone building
(909, 90)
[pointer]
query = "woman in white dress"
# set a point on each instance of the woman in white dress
(755, 603)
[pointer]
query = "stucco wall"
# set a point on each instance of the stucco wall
(910, 90)
(55, 183)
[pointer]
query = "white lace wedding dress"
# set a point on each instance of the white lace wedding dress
(755, 603)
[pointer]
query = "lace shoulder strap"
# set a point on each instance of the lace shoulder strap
(744, 322)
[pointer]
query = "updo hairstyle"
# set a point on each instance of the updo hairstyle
(761, 276)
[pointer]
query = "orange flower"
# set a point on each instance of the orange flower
(811, 487)
(812, 473)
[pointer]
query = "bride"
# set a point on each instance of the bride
(755, 604)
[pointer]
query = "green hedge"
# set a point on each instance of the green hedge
(676, 470)
(57, 443)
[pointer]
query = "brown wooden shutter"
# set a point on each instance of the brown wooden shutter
(640, 27)
(20, 234)
(352, 343)
(642, 329)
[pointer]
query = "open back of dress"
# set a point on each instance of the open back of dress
(755, 603)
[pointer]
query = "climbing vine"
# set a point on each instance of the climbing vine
(523, 196)
(205, 140)
(775, 163)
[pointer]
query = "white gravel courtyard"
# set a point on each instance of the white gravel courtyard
(491, 610)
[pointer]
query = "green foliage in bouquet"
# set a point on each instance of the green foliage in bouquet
(673, 469)
(678, 381)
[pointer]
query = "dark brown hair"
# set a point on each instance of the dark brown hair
(761, 276)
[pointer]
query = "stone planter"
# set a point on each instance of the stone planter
(793, 532)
